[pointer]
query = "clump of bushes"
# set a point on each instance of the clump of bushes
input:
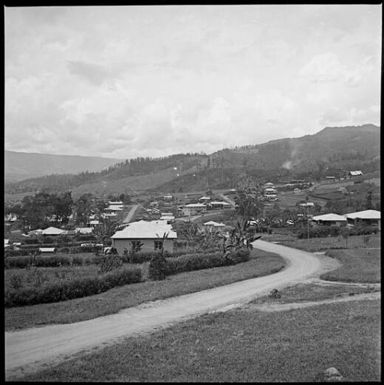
(65, 290)
(319, 232)
(147, 256)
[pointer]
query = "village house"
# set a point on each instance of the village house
(194, 209)
(149, 233)
(355, 173)
(219, 205)
(53, 231)
(367, 217)
(84, 230)
(214, 226)
(330, 219)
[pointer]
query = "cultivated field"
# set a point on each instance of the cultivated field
(113, 300)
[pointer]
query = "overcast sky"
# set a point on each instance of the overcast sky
(156, 80)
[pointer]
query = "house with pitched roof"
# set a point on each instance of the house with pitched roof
(148, 233)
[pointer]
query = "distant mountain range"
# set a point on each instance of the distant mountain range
(331, 151)
(23, 165)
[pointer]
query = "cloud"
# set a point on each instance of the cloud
(149, 81)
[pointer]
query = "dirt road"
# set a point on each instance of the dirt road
(130, 214)
(27, 350)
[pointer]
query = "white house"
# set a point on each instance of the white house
(53, 231)
(149, 233)
(84, 230)
(369, 217)
(219, 205)
(355, 173)
(214, 226)
(194, 209)
(167, 218)
(330, 219)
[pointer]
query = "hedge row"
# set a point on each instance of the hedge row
(47, 261)
(334, 231)
(65, 290)
(142, 257)
(72, 250)
(319, 232)
(199, 261)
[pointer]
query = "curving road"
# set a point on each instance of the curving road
(27, 350)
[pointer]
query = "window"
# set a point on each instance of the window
(136, 245)
(158, 245)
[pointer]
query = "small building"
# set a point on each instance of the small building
(355, 173)
(94, 222)
(307, 205)
(53, 231)
(269, 185)
(167, 218)
(330, 178)
(219, 205)
(368, 217)
(47, 249)
(6, 243)
(204, 199)
(214, 226)
(167, 197)
(84, 230)
(194, 209)
(330, 219)
(36, 232)
(149, 233)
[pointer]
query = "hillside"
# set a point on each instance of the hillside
(22, 165)
(331, 151)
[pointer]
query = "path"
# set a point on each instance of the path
(130, 214)
(31, 348)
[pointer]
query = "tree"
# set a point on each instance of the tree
(248, 199)
(63, 206)
(83, 209)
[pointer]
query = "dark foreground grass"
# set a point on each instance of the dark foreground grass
(358, 265)
(81, 309)
(303, 292)
(242, 346)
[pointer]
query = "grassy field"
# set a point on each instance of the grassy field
(358, 265)
(80, 309)
(319, 244)
(242, 346)
(315, 292)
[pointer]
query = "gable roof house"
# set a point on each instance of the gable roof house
(330, 219)
(52, 231)
(149, 233)
(368, 217)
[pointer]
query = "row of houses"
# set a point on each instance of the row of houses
(366, 217)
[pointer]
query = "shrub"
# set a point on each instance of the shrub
(109, 262)
(158, 267)
(64, 290)
(199, 261)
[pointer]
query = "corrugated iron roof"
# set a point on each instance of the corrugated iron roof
(366, 214)
(146, 230)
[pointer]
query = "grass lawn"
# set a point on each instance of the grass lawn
(358, 265)
(242, 346)
(318, 244)
(304, 292)
(111, 301)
